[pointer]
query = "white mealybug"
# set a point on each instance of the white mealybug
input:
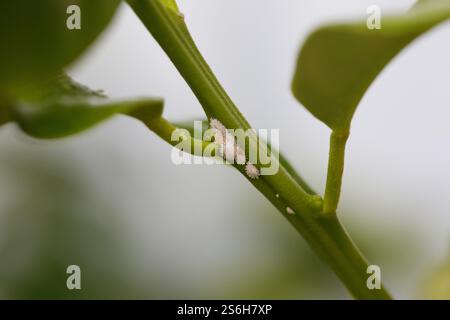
(216, 124)
(240, 155)
(252, 171)
(289, 210)
(218, 137)
(228, 148)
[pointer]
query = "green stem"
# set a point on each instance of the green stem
(165, 129)
(335, 171)
(323, 233)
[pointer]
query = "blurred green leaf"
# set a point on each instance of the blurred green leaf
(35, 39)
(66, 107)
(46, 229)
(338, 62)
(437, 286)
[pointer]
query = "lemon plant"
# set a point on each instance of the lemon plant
(335, 66)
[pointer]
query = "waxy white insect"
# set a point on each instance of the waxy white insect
(252, 171)
(216, 124)
(230, 150)
(289, 210)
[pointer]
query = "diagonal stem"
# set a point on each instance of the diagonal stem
(323, 232)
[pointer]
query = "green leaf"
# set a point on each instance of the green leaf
(66, 108)
(338, 62)
(36, 41)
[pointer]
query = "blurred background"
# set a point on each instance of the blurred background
(111, 201)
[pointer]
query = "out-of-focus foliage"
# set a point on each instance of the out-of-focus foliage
(63, 107)
(44, 230)
(35, 41)
(338, 62)
(438, 284)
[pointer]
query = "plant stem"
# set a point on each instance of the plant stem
(335, 171)
(164, 129)
(284, 190)
(323, 232)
